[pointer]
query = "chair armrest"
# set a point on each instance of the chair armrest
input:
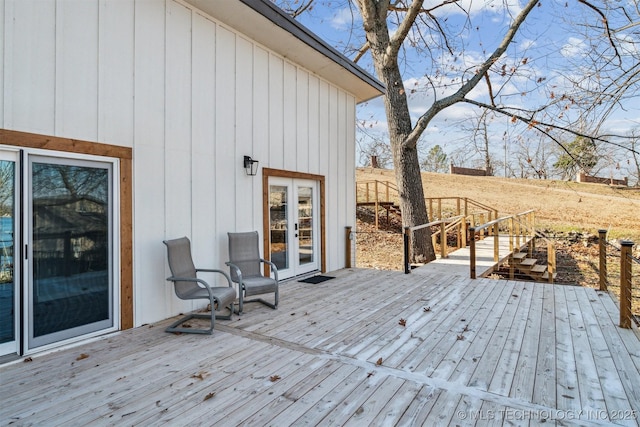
(274, 268)
(215, 270)
(236, 269)
(188, 279)
(193, 279)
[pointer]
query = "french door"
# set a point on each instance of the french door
(57, 246)
(294, 208)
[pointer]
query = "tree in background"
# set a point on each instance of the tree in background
(436, 160)
(393, 31)
(580, 155)
(369, 145)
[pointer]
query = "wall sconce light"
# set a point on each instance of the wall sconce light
(250, 166)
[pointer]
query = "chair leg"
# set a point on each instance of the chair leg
(174, 327)
(228, 316)
(240, 301)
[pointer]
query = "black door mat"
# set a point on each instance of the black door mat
(316, 279)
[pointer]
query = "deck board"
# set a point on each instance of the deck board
(485, 353)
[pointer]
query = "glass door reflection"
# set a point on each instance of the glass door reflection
(71, 290)
(305, 225)
(8, 291)
(278, 226)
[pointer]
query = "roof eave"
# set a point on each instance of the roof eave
(270, 26)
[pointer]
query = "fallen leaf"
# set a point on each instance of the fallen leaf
(402, 322)
(460, 337)
(426, 309)
(200, 375)
(379, 362)
(274, 378)
(370, 374)
(27, 359)
(82, 356)
(208, 396)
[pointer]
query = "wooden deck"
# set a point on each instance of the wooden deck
(481, 352)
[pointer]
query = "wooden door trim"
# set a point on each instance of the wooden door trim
(124, 154)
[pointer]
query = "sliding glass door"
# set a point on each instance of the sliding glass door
(58, 215)
(69, 250)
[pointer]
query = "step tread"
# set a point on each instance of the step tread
(528, 262)
(538, 269)
(519, 255)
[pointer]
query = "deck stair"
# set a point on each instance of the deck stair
(529, 267)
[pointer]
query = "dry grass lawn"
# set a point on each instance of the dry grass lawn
(571, 212)
(559, 205)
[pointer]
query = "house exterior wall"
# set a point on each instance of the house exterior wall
(191, 97)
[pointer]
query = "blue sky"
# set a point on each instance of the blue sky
(548, 50)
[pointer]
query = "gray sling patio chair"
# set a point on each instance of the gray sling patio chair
(244, 264)
(187, 287)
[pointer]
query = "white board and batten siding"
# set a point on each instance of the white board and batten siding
(191, 96)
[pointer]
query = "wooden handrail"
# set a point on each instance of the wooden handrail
(378, 192)
(515, 232)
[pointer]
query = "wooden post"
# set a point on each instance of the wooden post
(496, 243)
(430, 209)
(376, 204)
(551, 260)
(472, 252)
(511, 235)
(465, 230)
(347, 248)
(439, 208)
(407, 232)
(532, 224)
(602, 244)
(625, 284)
(443, 240)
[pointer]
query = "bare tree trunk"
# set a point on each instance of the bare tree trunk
(412, 203)
(405, 154)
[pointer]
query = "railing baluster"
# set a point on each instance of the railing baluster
(602, 243)
(625, 284)
(406, 235)
(472, 252)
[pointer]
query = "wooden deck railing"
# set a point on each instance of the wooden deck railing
(521, 230)
(385, 194)
(628, 294)
(444, 226)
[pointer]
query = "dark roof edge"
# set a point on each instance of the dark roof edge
(276, 15)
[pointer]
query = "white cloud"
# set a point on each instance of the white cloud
(344, 18)
(475, 7)
(573, 48)
(527, 44)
